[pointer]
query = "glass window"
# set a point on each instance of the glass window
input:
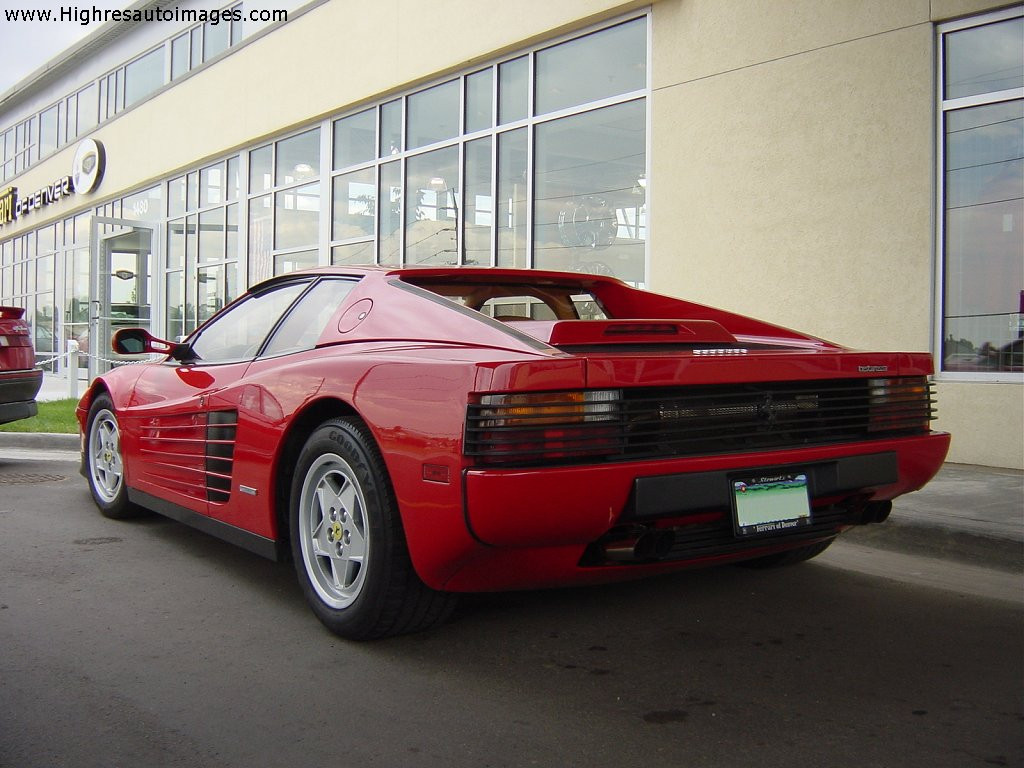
(48, 132)
(179, 56)
(211, 235)
(261, 239)
(511, 221)
(259, 169)
(985, 59)
(984, 267)
(432, 209)
(478, 213)
(143, 76)
(606, 63)
(355, 138)
(290, 262)
(231, 232)
(389, 217)
(433, 115)
(232, 180)
(216, 38)
(391, 128)
(239, 333)
(210, 292)
(587, 169)
(479, 101)
(144, 205)
(298, 158)
(175, 304)
(354, 204)
(297, 217)
(176, 244)
(211, 185)
(88, 109)
(176, 197)
(353, 253)
(513, 90)
(306, 322)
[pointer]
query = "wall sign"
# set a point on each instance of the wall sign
(86, 174)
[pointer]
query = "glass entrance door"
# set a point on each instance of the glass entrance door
(121, 291)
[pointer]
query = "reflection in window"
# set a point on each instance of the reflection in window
(432, 207)
(587, 183)
(143, 76)
(259, 169)
(433, 115)
(391, 128)
(353, 253)
(354, 205)
(297, 217)
(48, 132)
(478, 213)
(305, 323)
(88, 109)
(984, 269)
(985, 59)
(298, 158)
(606, 63)
(290, 262)
(479, 100)
(389, 217)
(511, 221)
(211, 185)
(355, 138)
(261, 239)
(216, 38)
(513, 90)
(211, 235)
(239, 333)
(210, 293)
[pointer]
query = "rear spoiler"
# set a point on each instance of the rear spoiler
(569, 333)
(12, 313)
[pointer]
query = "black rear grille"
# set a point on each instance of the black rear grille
(691, 421)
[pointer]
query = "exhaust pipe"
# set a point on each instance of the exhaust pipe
(875, 512)
(646, 546)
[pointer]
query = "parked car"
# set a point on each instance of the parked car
(20, 379)
(410, 434)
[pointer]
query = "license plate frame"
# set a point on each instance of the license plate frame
(770, 504)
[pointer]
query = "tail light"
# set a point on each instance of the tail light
(544, 426)
(898, 405)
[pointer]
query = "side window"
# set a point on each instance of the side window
(238, 333)
(306, 322)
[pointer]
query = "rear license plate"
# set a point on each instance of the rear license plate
(770, 504)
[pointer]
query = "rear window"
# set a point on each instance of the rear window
(522, 302)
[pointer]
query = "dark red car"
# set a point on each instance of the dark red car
(409, 434)
(20, 379)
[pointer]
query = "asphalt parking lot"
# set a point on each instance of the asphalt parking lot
(148, 643)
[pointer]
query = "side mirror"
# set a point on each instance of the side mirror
(139, 341)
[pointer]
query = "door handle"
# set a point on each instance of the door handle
(95, 306)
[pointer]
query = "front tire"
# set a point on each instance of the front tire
(347, 540)
(104, 461)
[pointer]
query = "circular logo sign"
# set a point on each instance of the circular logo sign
(87, 170)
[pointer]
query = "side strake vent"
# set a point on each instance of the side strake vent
(221, 428)
(616, 425)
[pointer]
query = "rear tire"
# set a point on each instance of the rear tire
(104, 461)
(790, 557)
(347, 540)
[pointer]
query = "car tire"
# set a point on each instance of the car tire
(790, 557)
(347, 540)
(104, 463)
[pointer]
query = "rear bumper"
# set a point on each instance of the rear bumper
(18, 390)
(545, 520)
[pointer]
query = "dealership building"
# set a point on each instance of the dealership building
(851, 168)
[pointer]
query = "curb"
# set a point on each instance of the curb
(941, 542)
(50, 441)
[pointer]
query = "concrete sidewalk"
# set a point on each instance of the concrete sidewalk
(967, 513)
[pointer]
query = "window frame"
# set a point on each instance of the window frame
(942, 107)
